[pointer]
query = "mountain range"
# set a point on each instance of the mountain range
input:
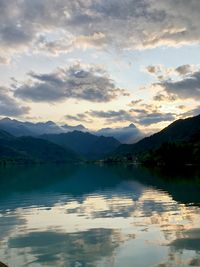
(179, 130)
(29, 149)
(178, 142)
(19, 128)
(43, 142)
(125, 135)
(85, 144)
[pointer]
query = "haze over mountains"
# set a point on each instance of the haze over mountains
(183, 137)
(66, 147)
(48, 142)
(126, 135)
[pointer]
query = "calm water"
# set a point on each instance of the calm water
(97, 216)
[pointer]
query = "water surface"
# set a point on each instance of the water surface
(98, 216)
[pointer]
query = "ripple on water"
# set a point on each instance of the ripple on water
(115, 222)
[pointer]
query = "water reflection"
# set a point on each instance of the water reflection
(81, 249)
(98, 216)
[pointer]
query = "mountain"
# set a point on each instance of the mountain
(6, 151)
(30, 149)
(180, 130)
(102, 146)
(39, 128)
(126, 135)
(14, 127)
(19, 128)
(79, 127)
(5, 135)
(84, 144)
(176, 153)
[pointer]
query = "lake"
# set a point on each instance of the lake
(99, 216)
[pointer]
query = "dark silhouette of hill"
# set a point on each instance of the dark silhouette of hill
(180, 130)
(84, 144)
(5, 135)
(29, 149)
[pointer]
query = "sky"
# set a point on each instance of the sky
(100, 63)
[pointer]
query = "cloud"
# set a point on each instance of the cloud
(164, 97)
(145, 115)
(152, 69)
(9, 106)
(162, 73)
(178, 82)
(187, 87)
(150, 114)
(81, 82)
(135, 102)
(97, 23)
(152, 118)
(112, 116)
(4, 60)
(68, 43)
(80, 117)
(184, 69)
(193, 112)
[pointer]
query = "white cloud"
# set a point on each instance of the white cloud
(98, 23)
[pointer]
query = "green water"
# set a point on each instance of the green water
(99, 216)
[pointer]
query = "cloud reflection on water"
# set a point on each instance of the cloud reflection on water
(104, 223)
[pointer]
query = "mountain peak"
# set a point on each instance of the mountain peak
(6, 119)
(50, 123)
(132, 126)
(78, 127)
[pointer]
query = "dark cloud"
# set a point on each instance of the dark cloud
(135, 102)
(153, 69)
(127, 24)
(143, 116)
(112, 116)
(78, 82)
(159, 97)
(152, 118)
(187, 87)
(150, 114)
(180, 82)
(9, 106)
(184, 69)
(163, 73)
(193, 112)
(163, 97)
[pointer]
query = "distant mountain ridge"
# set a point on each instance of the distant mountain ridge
(180, 130)
(182, 135)
(70, 146)
(125, 135)
(19, 128)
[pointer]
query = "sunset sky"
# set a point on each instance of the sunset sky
(100, 63)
